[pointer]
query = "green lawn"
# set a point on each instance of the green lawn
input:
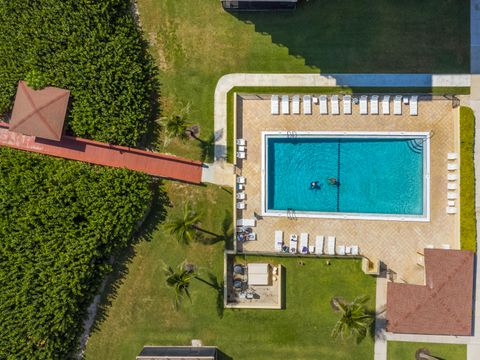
(139, 309)
(468, 225)
(406, 350)
(195, 42)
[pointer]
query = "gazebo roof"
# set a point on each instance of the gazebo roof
(39, 113)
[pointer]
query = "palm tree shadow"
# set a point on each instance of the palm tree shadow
(207, 148)
(378, 325)
(225, 236)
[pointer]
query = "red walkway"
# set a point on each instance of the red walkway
(165, 166)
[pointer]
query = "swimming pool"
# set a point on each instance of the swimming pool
(346, 175)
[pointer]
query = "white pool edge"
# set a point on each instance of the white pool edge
(425, 217)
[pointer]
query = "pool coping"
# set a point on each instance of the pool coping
(425, 217)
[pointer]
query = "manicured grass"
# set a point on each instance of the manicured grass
(398, 350)
(139, 311)
(468, 226)
(195, 42)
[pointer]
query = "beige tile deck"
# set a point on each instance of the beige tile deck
(393, 242)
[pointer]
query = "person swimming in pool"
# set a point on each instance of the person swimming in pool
(314, 185)
(333, 181)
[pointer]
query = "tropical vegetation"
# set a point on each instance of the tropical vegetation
(355, 319)
(60, 222)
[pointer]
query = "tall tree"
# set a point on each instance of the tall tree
(184, 227)
(179, 279)
(354, 320)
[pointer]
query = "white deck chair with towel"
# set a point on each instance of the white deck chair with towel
(335, 106)
(386, 105)
(414, 105)
(278, 240)
(347, 105)
(452, 167)
(331, 245)
(452, 156)
(319, 244)
(274, 105)
(296, 104)
(293, 243)
(374, 105)
(397, 105)
(363, 105)
(285, 105)
(307, 104)
(323, 105)
(246, 222)
(304, 243)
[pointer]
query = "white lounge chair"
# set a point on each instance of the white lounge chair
(452, 167)
(241, 148)
(386, 105)
(452, 186)
(451, 210)
(335, 106)
(241, 180)
(452, 195)
(355, 250)
(374, 105)
(363, 105)
(319, 244)
(451, 202)
(323, 105)
(452, 156)
(304, 243)
(241, 205)
(274, 105)
(331, 245)
(452, 177)
(293, 243)
(246, 222)
(241, 155)
(311, 249)
(296, 104)
(445, 246)
(307, 105)
(341, 250)
(241, 142)
(240, 196)
(414, 105)
(285, 105)
(347, 105)
(397, 105)
(278, 240)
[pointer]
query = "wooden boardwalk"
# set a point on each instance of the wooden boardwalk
(155, 164)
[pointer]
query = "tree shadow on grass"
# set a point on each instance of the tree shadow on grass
(218, 287)
(123, 257)
(210, 238)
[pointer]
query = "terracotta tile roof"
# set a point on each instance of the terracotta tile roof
(39, 112)
(441, 307)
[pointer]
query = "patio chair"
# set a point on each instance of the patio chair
(397, 105)
(331, 245)
(452, 156)
(355, 250)
(452, 167)
(307, 105)
(341, 250)
(246, 222)
(347, 105)
(335, 106)
(241, 196)
(452, 195)
(445, 246)
(285, 105)
(363, 105)
(241, 180)
(319, 244)
(274, 105)
(241, 155)
(451, 203)
(296, 104)
(241, 205)
(414, 105)
(241, 142)
(386, 105)
(323, 105)
(293, 243)
(452, 177)
(278, 240)
(452, 186)
(451, 210)
(374, 105)
(304, 243)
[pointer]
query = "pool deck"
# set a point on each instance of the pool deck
(395, 243)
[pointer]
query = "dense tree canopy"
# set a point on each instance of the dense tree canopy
(94, 49)
(60, 220)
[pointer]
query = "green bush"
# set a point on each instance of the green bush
(60, 221)
(93, 49)
(468, 226)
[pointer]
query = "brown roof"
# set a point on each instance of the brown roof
(39, 113)
(441, 307)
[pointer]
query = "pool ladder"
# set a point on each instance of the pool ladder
(291, 214)
(292, 134)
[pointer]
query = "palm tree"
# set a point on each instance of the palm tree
(355, 319)
(183, 227)
(179, 279)
(176, 126)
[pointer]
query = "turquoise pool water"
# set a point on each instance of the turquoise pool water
(373, 175)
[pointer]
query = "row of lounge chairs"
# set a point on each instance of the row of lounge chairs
(304, 248)
(322, 100)
(451, 183)
(241, 148)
